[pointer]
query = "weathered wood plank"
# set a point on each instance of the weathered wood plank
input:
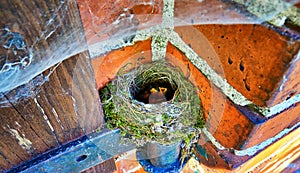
(64, 107)
(86, 95)
(3, 163)
(17, 135)
(43, 33)
(10, 156)
(43, 23)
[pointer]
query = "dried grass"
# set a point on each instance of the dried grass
(178, 119)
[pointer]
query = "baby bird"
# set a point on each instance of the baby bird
(157, 96)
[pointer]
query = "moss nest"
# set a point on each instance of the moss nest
(177, 117)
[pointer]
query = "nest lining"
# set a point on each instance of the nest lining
(177, 119)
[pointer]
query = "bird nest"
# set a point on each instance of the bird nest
(178, 117)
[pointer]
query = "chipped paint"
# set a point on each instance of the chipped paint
(18, 124)
(130, 155)
(252, 150)
(57, 118)
(44, 114)
(22, 141)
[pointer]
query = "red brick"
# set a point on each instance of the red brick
(283, 151)
(220, 113)
(227, 124)
(106, 67)
(98, 16)
(188, 12)
(269, 127)
(252, 58)
(232, 125)
(289, 85)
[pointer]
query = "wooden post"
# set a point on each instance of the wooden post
(66, 107)
(60, 104)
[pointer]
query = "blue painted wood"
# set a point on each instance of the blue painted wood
(79, 155)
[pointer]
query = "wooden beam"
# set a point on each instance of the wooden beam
(66, 107)
(56, 105)
(35, 35)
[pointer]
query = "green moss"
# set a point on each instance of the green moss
(165, 123)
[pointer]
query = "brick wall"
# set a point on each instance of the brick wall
(244, 63)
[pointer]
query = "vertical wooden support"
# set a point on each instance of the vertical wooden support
(66, 108)
(67, 105)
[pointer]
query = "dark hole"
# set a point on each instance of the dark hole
(81, 158)
(142, 91)
(192, 21)
(291, 25)
(242, 66)
(229, 61)
(291, 94)
(247, 87)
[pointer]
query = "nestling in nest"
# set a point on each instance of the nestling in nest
(157, 96)
(147, 105)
